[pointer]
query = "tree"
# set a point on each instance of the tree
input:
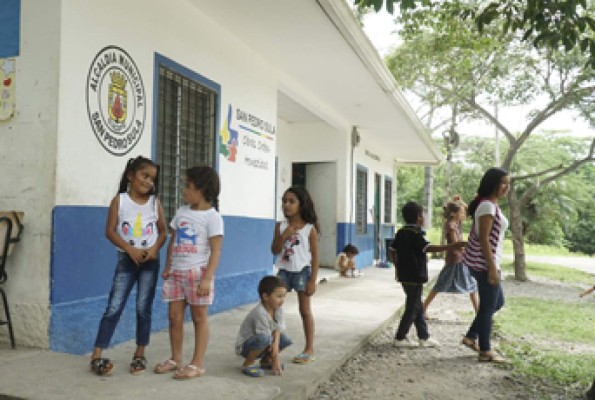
(547, 23)
(448, 64)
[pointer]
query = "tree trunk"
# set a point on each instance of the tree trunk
(518, 244)
(428, 195)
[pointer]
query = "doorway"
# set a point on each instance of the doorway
(320, 180)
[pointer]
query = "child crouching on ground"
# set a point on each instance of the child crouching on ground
(346, 261)
(261, 334)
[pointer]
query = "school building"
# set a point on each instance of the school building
(271, 93)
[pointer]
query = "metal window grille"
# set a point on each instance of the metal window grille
(388, 194)
(186, 134)
(361, 202)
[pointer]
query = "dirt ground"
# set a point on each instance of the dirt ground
(381, 371)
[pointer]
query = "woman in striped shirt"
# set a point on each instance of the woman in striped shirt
(482, 256)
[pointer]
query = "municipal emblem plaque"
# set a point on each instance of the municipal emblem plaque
(116, 100)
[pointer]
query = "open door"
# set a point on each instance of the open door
(320, 179)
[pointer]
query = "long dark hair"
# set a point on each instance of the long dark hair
(207, 181)
(487, 186)
(133, 165)
(307, 210)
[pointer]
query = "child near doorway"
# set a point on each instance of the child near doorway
(295, 243)
(345, 263)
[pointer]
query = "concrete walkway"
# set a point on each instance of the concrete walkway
(347, 313)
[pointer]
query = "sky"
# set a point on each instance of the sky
(380, 29)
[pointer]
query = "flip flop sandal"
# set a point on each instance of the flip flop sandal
(494, 358)
(102, 366)
(472, 344)
(165, 366)
(138, 365)
(189, 371)
(253, 371)
(304, 358)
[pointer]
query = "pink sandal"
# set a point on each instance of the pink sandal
(165, 366)
(189, 371)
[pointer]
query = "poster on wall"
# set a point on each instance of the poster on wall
(7, 90)
(116, 100)
(247, 139)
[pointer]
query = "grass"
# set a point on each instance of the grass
(530, 326)
(547, 319)
(553, 272)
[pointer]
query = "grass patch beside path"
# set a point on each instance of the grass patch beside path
(553, 272)
(545, 319)
(528, 324)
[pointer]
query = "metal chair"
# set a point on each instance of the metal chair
(7, 241)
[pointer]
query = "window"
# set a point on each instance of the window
(186, 132)
(388, 194)
(361, 202)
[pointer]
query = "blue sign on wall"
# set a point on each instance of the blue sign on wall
(10, 27)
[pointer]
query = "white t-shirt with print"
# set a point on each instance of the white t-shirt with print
(193, 229)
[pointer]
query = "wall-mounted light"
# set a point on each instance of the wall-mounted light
(355, 137)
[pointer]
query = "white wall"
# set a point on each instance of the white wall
(373, 156)
(179, 32)
(312, 142)
(27, 157)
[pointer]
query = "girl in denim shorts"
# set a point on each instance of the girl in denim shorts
(296, 245)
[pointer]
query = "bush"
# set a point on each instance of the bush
(581, 238)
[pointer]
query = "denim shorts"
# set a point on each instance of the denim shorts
(295, 280)
(262, 342)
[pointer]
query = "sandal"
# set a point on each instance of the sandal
(493, 357)
(304, 358)
(165, 366)
(253, 371)
(102, 366)
(472, 344)
(189, 371)
(138, 365)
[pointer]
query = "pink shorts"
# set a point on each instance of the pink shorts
(183, 285)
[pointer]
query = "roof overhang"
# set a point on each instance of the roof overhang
(327, 64)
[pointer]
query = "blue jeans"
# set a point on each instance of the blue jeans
(126, 275)
(262, 342)
(491, 299)
(414, 313)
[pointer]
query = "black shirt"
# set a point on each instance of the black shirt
(412, 262)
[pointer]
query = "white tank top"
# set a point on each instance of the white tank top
(137, 223)
(295, 253)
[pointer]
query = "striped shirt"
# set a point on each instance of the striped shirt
(473, 257)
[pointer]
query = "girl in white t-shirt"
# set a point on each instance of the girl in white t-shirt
(482, 256)
(136, 226)
(296, 244)
(192, 258)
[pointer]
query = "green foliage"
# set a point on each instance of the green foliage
(581, 237)
(557, 216)
(550, 24)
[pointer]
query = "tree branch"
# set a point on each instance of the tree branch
(535, 188)
(536, 174)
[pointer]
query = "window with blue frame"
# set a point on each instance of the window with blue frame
(388, 194)
(361, 201)
(186, 132)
